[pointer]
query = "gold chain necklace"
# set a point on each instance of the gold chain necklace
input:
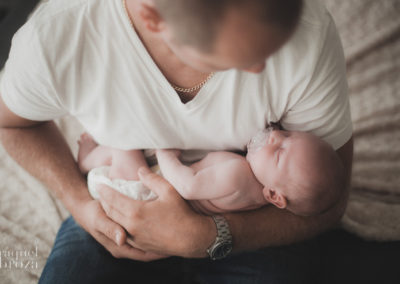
(176, 88)
(195, 88)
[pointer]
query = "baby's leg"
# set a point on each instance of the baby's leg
(125, 164)
(91, 155)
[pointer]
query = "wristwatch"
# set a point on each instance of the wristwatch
(223, 243)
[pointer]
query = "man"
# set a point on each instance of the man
(116, 65)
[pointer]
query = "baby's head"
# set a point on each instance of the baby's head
(299, 171)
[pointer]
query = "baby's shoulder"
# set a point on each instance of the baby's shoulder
(237, 164)
(224, 160)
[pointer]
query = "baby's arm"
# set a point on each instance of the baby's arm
(214, 181)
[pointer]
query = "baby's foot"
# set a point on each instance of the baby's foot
(86, 145)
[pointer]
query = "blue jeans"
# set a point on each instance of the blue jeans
(78, 258)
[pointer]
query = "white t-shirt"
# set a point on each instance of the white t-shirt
(82, 57)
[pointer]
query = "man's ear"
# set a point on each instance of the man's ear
(151, 18)
(275, 197)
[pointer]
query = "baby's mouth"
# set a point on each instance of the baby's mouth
(259, 140)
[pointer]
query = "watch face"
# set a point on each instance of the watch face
(222, 250)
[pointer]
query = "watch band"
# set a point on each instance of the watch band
(223, 242)
(222, 227)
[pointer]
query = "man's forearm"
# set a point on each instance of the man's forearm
(270, 226)
(43, 152)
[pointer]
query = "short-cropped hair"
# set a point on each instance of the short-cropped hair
(195, 22)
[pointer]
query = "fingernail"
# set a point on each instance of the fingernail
(118, 238)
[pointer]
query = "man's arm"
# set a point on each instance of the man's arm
(40, 148)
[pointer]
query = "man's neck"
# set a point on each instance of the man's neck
(169, 64)
(151, 40)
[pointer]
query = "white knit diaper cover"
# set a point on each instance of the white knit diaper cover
(131, 188)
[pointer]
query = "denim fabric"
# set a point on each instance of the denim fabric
(78, 258)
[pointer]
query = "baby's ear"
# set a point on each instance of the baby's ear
(275, 197)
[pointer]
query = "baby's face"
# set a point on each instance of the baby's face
(277, 155)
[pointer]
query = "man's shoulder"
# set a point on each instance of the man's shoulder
(55, 19)
(311, 33)
(314, 14)
(61, 30)
(51, 11)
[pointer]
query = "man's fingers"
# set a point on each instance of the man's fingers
(126, 250)
(116, 200)
(109, 234)
(156, 183)
(112, 230)
(113, 237)
(116, 215)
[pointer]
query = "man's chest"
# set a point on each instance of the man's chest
(145, 114)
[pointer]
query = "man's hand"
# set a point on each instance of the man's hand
(112, 236)
(164, 226)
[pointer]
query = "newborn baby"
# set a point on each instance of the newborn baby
(289, 169)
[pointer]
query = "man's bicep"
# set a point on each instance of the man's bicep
(345, 154)
(8, 119)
